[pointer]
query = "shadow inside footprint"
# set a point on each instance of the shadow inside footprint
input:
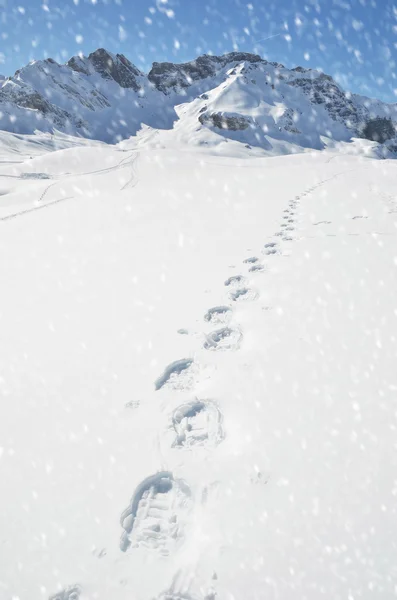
(256, 268)
(197, 423)
(243, 294)
(175, 368)
(252, 259)
(70, 593)
(223, 339)
(152, 519)
(218, 314)
(234, 280)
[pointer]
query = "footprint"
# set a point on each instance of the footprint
(288, 239)
(251, 259)
(173, 372)
(323, 223)
(279, 233)
(70, 593)
(234, 280)
(360, 217)
(290, 220)
(256, 268)
(223, 339)
(243, 294)
(271, 245)
(155, 516)
(197, 423)
(270, 251)
(290, 228)
(132, 404)
(183, 332)
(218, 314)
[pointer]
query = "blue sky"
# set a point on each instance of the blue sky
(353, 40)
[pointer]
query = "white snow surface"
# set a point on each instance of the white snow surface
(267, 468)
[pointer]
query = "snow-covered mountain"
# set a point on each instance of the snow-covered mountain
(236, 96)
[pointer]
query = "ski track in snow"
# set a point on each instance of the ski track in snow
(30, 210)
(127, 162)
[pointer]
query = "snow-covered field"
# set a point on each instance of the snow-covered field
(262, 464)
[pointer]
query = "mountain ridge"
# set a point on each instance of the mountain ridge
(105, 96)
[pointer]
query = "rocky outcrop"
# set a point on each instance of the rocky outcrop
(165, 76)
(32, 100)
(322, 90)
(116, 67)
(288, 121)
(229, 121)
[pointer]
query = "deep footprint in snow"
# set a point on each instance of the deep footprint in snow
(70, 593)
(270, 251)
(234, 280)
(218, 314)
(223, 339)
(174, 373)
(251, 260)
(243, 294)
(197, 423)
(256, 268)
(154, 518)
(270, 245)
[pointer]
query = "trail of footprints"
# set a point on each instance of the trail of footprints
(156, 515)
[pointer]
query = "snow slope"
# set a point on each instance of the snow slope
(197, 375)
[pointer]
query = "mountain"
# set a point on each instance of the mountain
(213, 99)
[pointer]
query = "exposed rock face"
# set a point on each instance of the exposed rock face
(229, 121)
(166, 75)
(322, 89)
(34, 101)
(288, 121)
(78, 65)
(300, 69)
(116, 67)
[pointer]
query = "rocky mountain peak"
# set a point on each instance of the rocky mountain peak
(166, 75)
(116, 67)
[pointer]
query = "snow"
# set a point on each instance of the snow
(264, 464)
